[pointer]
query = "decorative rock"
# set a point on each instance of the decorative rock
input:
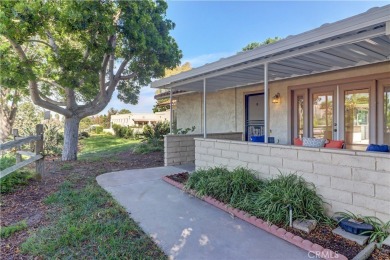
(386, 241)
(305, 225)
(366, 252)
(361, 240)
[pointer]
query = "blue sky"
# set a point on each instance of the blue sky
(209, 30)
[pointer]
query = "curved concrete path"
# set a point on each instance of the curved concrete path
(186, 227)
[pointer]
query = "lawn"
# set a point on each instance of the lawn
(69, 215)
(97, 146)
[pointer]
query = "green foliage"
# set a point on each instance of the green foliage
(87, 223)
(124, 111)
(84, 134)
(268, 200)
(156, 131)
(10, 230)
(149, 147)
(224, 185)
(99, 129)
(13, 180)
(184, 131)
(254, 45)
(123, 131)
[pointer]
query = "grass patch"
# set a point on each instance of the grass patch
(266, 199)
(149, 147)
(97, 146)
(87, 223)
(10, 230)
(16, 179)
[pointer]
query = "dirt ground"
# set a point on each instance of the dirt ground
(27, 201)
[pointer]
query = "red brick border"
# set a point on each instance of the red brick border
(315, 249)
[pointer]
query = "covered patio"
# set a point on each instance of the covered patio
(326, 69)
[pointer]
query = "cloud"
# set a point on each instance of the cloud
(206, 58)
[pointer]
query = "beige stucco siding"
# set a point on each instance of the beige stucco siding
(226, 108)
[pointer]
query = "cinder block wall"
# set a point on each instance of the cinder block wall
(180, 149)
(347, 180)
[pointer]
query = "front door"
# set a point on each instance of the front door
(254, 115)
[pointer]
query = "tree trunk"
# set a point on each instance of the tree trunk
(6, 123)
(71, 136)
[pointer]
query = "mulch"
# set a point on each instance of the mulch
(321, 235)
(27, 201)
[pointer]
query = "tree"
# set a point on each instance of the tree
(84, 50)
(161, 105)
(254, 45)
(124, 111)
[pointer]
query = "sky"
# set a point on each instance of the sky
(207, 31)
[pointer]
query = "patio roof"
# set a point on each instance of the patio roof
(359, 40)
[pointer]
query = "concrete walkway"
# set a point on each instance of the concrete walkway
(186, 227)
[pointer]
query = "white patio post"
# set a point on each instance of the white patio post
(170, 113)
(266, 94)
(337, 113)
(204, 109)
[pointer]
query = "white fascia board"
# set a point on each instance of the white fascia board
(372, 17)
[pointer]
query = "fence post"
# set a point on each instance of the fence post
(39, 164)
(15, 133)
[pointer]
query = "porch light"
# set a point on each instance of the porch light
(276, 98)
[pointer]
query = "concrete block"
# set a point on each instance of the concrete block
(314, 156)
(248, 157)
(298, 165)
(200, 150)
(221, 161)
(238, 147)
(222, 145)
(353, 186)
(237, 163)
(286, 153)
(214, 152)
(354, 161)
(372, 203)
(257, 149)
(386, 241)
(332, 170)
(271, 160)
(367, 176)
(343, 207)
(230, 154)
(361, 240)
(260, 168)
(207, 158)
(336, 195)
(383, 164)
(382, 216)
(208, 144)
(172, 144)
(305, 225)
(366, 252)
(187, 143)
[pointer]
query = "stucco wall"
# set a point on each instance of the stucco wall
(226, 108)
(347, 180)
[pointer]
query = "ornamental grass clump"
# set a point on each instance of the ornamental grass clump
(272, 203)
(224, 185)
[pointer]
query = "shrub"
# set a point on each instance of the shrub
(268, 200)
(99, 129)
(156, 131)
(84, 134)
(148, 147)
(273, 200)
(53, 139)
(123, 131)
(15, 179)
(224, 185)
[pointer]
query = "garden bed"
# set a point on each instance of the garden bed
(320, 241)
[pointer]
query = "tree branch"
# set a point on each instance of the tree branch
(52, 43)
(55, 84)
(45, 43)
(58, 103)
(127, 77)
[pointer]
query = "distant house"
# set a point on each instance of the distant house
(139, 119)
(332, 83)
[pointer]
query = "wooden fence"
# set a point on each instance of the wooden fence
(36, 156)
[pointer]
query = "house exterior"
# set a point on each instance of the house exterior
(139, 119)
(332, 82)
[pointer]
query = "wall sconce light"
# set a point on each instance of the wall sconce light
(276, 98)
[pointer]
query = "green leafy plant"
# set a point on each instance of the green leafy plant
(156, 131)
(381, 229)
(10, 230)
(183, 131)
(10, 182)
(123, 131)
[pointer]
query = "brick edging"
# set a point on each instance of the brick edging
(298, 241)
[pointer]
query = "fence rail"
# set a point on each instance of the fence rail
(36, 157)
